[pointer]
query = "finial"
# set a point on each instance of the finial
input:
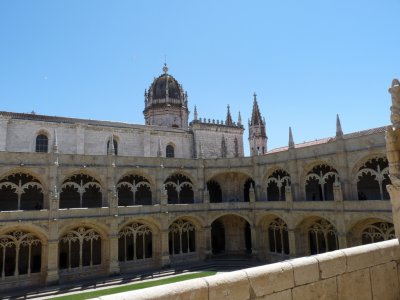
(339, 132)
(228, 120)
(55, 143)
(159, 153)
(195, 113)
(239, 119)
(291, 141)
(255, 96)
(165, 68)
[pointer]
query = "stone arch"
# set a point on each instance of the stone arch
(196, 220)
(273, 236)
(134, 189)
(140, 172)
(355, 233)
(318, 180)
(149, 221)
(85, 171)
(81, 190)
(234, 185)
(93, 240)
(182, 237)
(275, 184)
(37, 230)
(22, 249)
(180, 188)
(231, 234)
(316, 234)
(21, 191)
(230, 213)
(371, 178)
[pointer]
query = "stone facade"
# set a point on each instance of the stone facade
(81, 198)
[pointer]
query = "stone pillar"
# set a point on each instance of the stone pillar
(206, 196)
(207, 241)
(165, 260)
(164, 195)
(52, 276)
(342, 240)
(337, 192)
(54, 204)
(254, 241)
(113, 267)
(394, 192)
(289, 197)
(252, 194)
(292, 243)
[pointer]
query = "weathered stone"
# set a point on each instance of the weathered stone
(232, 286)
(323, 289)
(355, 285)
(384, 279)
(272, 278)
(331, 263)
(305, 270)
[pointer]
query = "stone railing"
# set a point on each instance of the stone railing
(363, 272)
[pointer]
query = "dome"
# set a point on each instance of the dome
(158, 88)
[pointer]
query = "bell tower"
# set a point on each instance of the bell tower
(257, 133)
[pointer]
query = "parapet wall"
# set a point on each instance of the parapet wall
(365, 272)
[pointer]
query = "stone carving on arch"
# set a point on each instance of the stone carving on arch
(80, 247)
(135, 242)
(21, 253)
(81, 190)
(319, 182)
(276, 183)
(182, 237)
(134, 189)
(378, 232)
(180, 189)
(323, 237)
(21, 191)
(372, 177)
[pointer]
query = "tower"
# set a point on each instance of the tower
(166, 102)
(257, 133)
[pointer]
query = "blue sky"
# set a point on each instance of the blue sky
(306, 60)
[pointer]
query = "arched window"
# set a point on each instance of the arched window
(42, 143)
(377, 232)
(179, 189)
(80, 191)
(372, 179)
(323, 237)
(20, 253)
(134, 190)
(170, 151)
(276, 184)
(79, 248)
(278, 237)
(135, 242)
(115, 143)
(214, 190)
(319, 183)
(182, 237)
(20, 192)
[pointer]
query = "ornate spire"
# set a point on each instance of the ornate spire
(256, 115)
(291, 141)
(239, 119)
(339, 132)
(228, 117)
(195, 113)
(55, 143)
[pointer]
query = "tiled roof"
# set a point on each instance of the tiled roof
(331, 139)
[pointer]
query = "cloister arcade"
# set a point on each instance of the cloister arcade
(91, 222)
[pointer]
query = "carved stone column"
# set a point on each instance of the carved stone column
(113, 267)
(165, 261)
(252, 194)
(292, 243)
(394, 192)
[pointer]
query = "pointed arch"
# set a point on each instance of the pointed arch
(276, 184)
(319, 182)
(180, 189)
(134, 189)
